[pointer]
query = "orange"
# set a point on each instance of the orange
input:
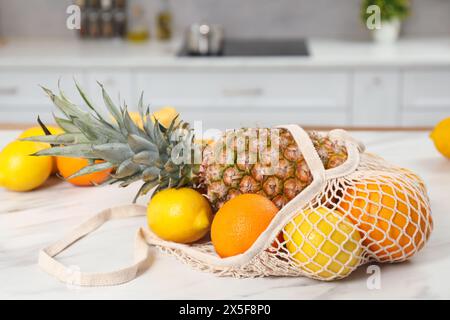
(239, 222)
(393, 224)
(69, 166)
(413, 178)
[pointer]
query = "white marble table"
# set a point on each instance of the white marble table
(30, 221)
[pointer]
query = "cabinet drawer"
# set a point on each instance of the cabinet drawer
(255, 89)
(427, 90)
(255, 117)
(22, 90)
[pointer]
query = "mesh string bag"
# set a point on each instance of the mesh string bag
(361, 211)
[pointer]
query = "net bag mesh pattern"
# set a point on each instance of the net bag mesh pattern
(365, 210)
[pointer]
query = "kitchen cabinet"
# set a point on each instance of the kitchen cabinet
(251, 117)
(425, 96)
(375, 98)
(22, 99)
(254, 89)
(341, 83)
(236, 98)
(348, 97)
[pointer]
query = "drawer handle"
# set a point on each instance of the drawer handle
(245, 92)
(9, 91)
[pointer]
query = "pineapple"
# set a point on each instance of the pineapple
(151, 154)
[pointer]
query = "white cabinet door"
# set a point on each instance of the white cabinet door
(426, 97)
(376, 99)
(428, 89)
(117, 84)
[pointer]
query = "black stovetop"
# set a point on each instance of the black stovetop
(258, 48)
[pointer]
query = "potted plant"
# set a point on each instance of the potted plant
(391, 14)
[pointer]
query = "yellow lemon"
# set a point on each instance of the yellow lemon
(441, 137)
(179, 215)
(137, 119)
(37, 131)
(165, 116)
(21, 172)
(323, 243)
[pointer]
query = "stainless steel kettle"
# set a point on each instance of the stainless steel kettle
(205, 39)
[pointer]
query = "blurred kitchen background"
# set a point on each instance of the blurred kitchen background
(233, 63)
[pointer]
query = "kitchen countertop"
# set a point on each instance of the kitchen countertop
(116, 54)
(30, 221)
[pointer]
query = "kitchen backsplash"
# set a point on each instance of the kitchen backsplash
(241, 18)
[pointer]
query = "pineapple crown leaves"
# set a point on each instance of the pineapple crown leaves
(136, 153)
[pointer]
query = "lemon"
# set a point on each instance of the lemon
(323, 243)
(165, 116)
(137, 119)
(21, 172)
(441, 137)
(179, 215)
(37, 131)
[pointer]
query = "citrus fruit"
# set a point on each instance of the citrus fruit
(323, 243)
(414, 178)
(239, 222)
(393, 223)
(19, 171)
(70, 166)
(441, 137)
(179, 215)
(37, 131)
(165, 116)
(137, 119)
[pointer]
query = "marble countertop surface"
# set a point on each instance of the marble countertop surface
(30, 221)
(57, 53)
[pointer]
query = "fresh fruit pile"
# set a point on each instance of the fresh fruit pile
(21, 171)
(235, 200)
